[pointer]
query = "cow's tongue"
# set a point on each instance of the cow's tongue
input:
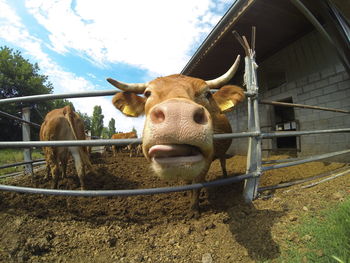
(175, 153)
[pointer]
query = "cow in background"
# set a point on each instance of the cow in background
(139, 150)
(182, 115)
(64, 124)
(127, 135)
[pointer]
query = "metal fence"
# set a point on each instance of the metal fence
(255, 166)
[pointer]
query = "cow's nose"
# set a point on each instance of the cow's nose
(199, 116)
(174, 111)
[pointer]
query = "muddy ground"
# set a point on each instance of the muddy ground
(158, 228)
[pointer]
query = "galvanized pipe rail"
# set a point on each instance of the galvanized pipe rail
(4, 114)
(294, 105)
(20, 163)
(255, 166)
(305, 160)
(124, 142)
(37, 98)
(44, 97)
(131, 192)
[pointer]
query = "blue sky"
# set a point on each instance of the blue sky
(79, 43)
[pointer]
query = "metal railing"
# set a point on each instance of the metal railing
(255, 165)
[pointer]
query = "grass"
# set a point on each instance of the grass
(324, 238)
(9, 156)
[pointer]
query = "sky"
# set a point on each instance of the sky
(80, 43)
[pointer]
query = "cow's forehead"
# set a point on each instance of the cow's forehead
(179, 82)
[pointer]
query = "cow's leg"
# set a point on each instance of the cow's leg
(48, 170)
(53, 165)
(114, 149)
(194, 199)
(64, 162)
(223, 166)
(55, 174)
(79, 166)
(64, 167)
(130, 149)
(47, 157)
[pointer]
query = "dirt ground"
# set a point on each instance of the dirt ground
(158, 228)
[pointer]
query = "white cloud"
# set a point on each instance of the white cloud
(155, 35)
(13, 31)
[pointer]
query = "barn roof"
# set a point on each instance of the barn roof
(278, 23)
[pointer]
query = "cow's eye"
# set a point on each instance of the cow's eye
(208, 95)
(147, 93)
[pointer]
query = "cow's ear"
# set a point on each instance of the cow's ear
(228, 97)
(129, 103)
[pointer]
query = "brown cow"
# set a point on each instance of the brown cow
(127, 135)
(64, 124)
(181, 117)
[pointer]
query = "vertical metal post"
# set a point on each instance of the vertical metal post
(26, 137)
(254, 144)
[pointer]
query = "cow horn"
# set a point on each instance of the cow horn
(133, 87)
(222, 80)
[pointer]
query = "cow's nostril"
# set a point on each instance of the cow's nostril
(157, 116)
(200, 117)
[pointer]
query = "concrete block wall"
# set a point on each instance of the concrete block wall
(325, 85)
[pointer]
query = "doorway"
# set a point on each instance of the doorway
(285, 121)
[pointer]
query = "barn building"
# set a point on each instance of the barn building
(303, 54)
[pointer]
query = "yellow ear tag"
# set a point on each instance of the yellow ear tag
(226, 105)
(127, 110)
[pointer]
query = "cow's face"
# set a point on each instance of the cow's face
(178, 131)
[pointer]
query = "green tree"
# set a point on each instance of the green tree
(87, 120)
(18, 77)
(134, 130)
(105, 133)
(111, 127)
(97, 121)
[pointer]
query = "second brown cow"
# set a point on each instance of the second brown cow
(126, 135)
(64, 124)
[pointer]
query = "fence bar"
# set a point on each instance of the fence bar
(120, 142)
(128, 192)
(27, 152)
(59, 96)
(21, 163)
(310, 159)
(285, 104)
(18, 119)
(21, 172)
(269, 135)
(282, 160)
(300, 181)
(225, 136)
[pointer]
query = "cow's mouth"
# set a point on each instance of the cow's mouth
(172, 154)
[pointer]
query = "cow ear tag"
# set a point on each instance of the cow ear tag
(129, 111)
(226, 105)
